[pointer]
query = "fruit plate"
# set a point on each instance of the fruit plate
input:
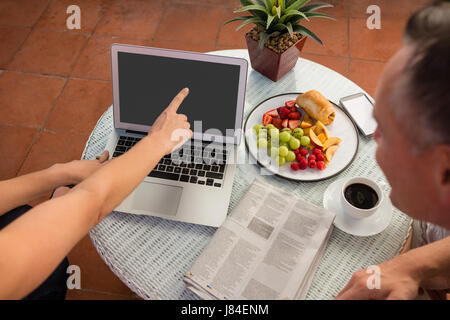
(342, 127)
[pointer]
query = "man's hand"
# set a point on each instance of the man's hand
(397, 282)
(78, 170)
(170, 129)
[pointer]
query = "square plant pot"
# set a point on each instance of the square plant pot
(272, 64)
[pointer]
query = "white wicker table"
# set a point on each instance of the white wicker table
(150, 254)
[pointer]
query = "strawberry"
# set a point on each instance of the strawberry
(303, 164)
(266, 119)
(320, 165)
(290, 104)
(284, 124)
(312, 164)
(277, 123)
(283, 112)
(273, 113)
(294, 116)
(295, 166)
(293, 124)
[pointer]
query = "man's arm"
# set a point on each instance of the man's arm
(427, 267)
(33, 245)
(24, 189)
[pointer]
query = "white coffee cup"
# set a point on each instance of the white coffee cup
(357, 212)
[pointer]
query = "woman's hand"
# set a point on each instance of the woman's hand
(78, 170)
(170, 129)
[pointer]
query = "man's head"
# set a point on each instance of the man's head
(413, 114)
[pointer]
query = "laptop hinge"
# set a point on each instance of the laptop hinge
(136, 132)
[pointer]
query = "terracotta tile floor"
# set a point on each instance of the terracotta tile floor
(49, 75)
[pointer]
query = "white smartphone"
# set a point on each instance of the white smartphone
(360, 108)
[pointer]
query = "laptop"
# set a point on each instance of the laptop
(193, 184)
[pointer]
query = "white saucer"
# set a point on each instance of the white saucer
(363, 227)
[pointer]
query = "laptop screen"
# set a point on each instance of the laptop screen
(147, 84)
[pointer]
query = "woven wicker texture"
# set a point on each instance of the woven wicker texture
(150, 254)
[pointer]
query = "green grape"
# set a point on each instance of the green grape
(284, 151)
(256, 127)
(294, 143)
(286, 130)
(270, 126)
(282, 143)
(262, 143)
(305, 141)
(285, 136)
(281, 161)
(290, 156)
(298, 131)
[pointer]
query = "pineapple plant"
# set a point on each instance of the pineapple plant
(278, 37)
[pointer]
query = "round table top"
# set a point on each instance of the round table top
(151, 255)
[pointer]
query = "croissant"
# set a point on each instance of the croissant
(317, 106)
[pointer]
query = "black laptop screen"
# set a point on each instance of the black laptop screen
(148, 83)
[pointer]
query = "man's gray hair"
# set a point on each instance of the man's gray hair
(426, 78)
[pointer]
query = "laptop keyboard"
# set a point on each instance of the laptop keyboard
(197, 164)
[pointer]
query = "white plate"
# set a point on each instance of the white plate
(342, 127)
(364, 227)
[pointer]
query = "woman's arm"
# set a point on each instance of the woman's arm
(33, 245)
(24, 189)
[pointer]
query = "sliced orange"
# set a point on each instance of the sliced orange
(330, 152)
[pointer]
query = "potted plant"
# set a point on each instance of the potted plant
(274, 44)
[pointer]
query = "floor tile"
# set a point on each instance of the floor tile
(83, 100)
(15, 143)
(375, 44)
(21, 12)
(11, 38)
(95, 61)
(95, 295)
(179, 45)
(200, 23)
(55, 17)
(49, 52)
(95, 274)
(337, 64)
(392, 9)
(26, 99)
(366, 74)
(334, 35)
(51, 148)
(228, 36)
(131, 18)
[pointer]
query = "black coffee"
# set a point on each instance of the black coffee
(361, 196)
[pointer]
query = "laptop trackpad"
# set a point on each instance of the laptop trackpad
(158, 198)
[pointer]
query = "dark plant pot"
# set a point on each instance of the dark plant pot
(271, 64)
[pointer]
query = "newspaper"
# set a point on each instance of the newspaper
(268, 248)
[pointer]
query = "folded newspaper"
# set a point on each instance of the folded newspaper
(269, 247)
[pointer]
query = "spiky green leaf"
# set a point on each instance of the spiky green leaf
(292, 13)
(289, 28)
(255, 20)
(278, 12)
(306, 32)
(318, 15)
(315, 6)
(255, 7)
(270, 19)
(297, 4)
(263, 37)
(239, 18)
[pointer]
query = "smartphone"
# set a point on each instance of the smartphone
(360, 109)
